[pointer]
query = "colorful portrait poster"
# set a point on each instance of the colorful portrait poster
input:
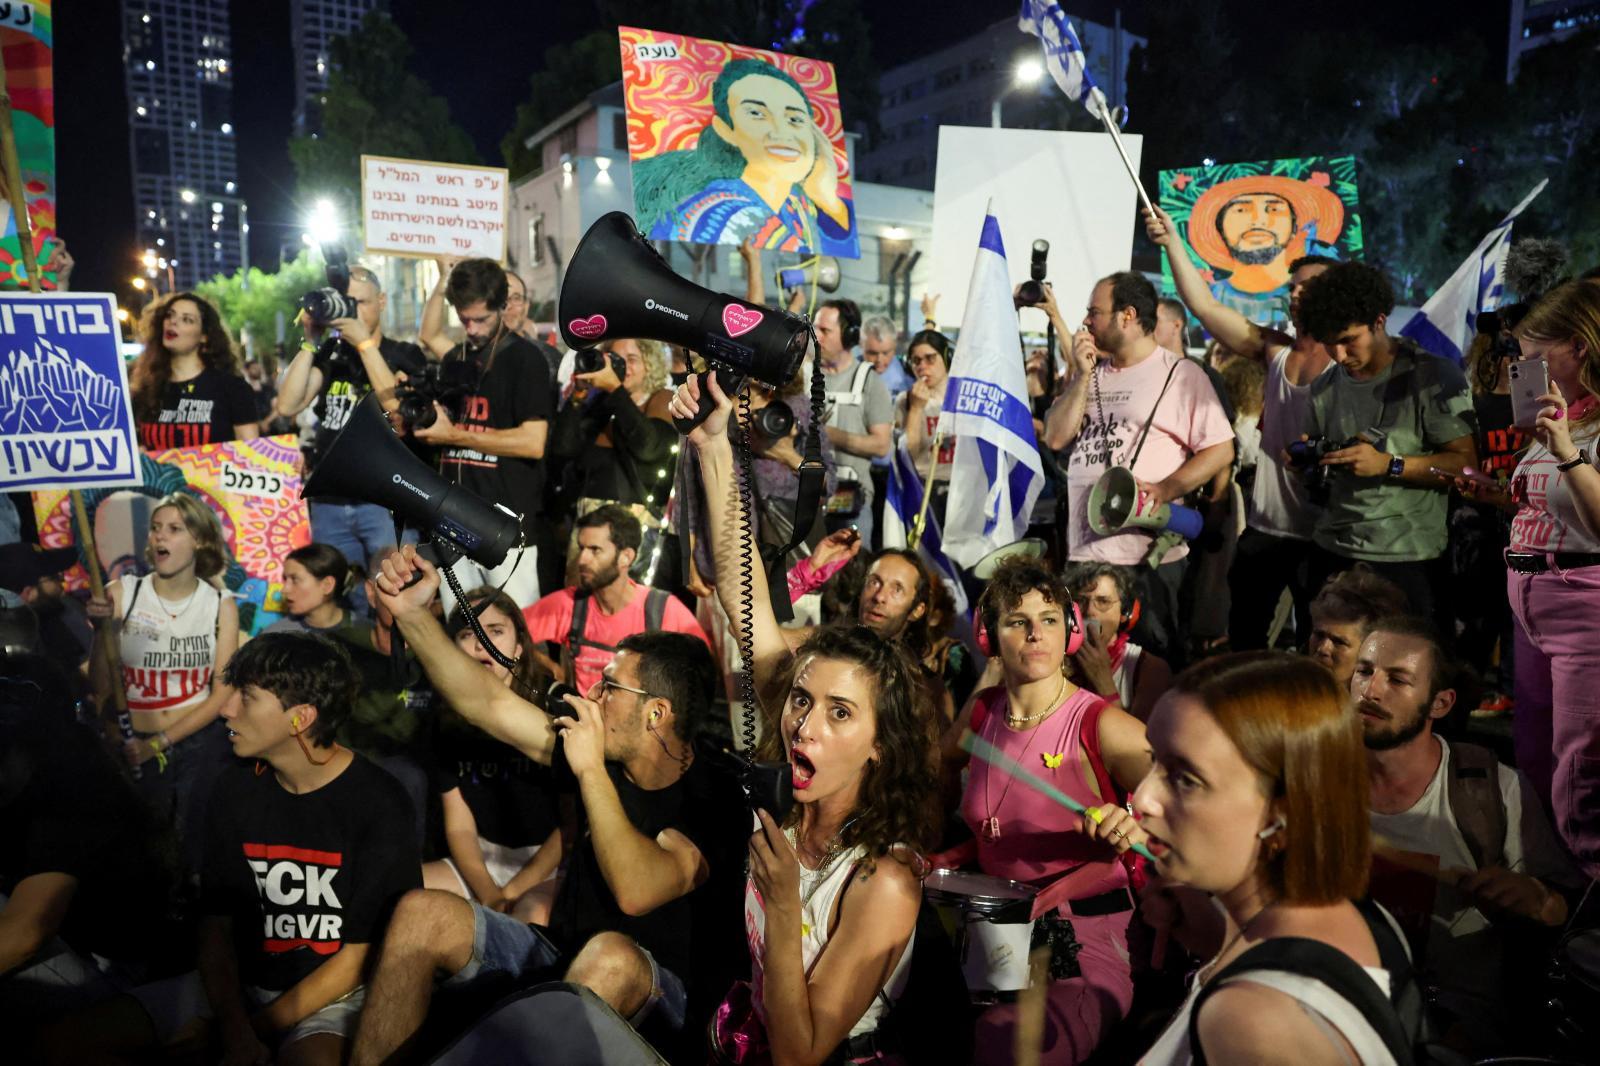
(252, 485)
(1245, 223)
(731, 143)
(27, 39)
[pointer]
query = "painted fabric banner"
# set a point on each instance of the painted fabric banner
(1245, 223)
(730, 143)
(27, 38)
(252, 485)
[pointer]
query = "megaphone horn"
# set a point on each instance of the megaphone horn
(367, 462)
(1117, 504)
(617, 285)
(823, 268)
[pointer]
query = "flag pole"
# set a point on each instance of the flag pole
(1110, 123)
(920, 524)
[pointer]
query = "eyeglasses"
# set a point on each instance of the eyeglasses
(606, 684)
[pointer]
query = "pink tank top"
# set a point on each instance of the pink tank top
(1038, 838)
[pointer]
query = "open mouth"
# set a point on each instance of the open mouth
(232, 735)
(1157, 846)
(787, 153)
(801, 770)
(162, 553)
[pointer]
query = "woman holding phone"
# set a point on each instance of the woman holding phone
(1554, 568)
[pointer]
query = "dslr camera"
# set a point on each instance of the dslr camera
(1031, 292)
(333, 301)
(445, 383)
(1305, 458)
(592, 360)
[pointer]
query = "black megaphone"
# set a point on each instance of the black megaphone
(368, 462)
(617, 285)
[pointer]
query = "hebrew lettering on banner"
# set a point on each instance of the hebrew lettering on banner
(65, 418)
(416, 208)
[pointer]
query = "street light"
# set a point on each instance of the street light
(1024, 75)
(322, 227)
(138, 283)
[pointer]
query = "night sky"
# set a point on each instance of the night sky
(480, 63)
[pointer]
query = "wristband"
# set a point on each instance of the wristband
(307, 346)
(1569, 464)
(370, 342)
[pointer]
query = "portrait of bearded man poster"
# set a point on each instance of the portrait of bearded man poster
(729, 144)
(1245, 224)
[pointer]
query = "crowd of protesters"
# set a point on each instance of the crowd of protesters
(1321, 785)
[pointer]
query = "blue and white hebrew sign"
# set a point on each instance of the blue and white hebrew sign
(65, 417)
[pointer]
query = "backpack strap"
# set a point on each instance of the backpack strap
(655, 609)
(580, 619)
(1473, 791)
(138, 583)
(1321, 962)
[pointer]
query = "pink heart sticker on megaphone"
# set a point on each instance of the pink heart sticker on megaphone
(739, 320)
(592, 326)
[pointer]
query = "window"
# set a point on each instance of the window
(890, 253)
(536, 240)
(947, 77)
(619, 131)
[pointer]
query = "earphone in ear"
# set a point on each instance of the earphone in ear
(1276, 827)
(294, 722)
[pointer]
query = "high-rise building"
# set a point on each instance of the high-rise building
(1540, 22)
(178, 67)
(313, 24)
(971, 83)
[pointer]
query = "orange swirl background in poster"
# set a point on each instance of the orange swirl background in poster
(669, 100)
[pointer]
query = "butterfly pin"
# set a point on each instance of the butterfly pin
(1052, 761)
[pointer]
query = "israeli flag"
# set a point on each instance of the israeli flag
(900, 516)
(1063, 52)
(997, 474)
(1448, 321)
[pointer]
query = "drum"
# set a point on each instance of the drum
(990, 921)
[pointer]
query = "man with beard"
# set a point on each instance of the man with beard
(1132, 403)
(1471, 826)
(589, 621)
(1274, 548)
(492, 435)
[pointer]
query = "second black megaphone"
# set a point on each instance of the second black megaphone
(617, 285)
(367, 462)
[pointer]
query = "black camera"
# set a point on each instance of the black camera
(1031, 292)
(333, 301)
(774, 421)
(592, 360)
(444, 383)
(1305, 457)
(555, 699)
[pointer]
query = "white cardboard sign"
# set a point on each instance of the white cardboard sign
(420, 209)
(1069, 188)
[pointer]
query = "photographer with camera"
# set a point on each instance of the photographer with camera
(917, 414)
(859, 415)
(1377, 429)
(614, 434)
(345, 356)
(489, 408)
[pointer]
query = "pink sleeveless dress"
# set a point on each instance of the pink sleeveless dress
(1037, 841)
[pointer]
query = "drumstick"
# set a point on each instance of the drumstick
(979, 748)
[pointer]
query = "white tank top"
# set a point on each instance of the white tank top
(1126, 673)
(820, 891)
(168, 648)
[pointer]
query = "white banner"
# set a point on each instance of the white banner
(414, 208)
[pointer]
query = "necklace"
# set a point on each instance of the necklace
(1017, 719)
(829, 857)
(181, 610)
(990, 830)
(1204, 973)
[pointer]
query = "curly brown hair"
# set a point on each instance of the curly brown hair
(898, 804)
(154, 367)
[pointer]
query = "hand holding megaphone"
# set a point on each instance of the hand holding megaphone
(700, 408)
(406, 582)
(1085, 353)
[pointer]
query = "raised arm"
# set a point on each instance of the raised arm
(723, 514)
(431, 331)
(469, 689)
(1235, 331)
(1064, 421)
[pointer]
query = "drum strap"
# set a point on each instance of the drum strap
(1068, 885)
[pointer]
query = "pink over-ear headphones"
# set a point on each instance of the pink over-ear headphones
(1074, 632)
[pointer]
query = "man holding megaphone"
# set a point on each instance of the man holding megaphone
(1133, 407)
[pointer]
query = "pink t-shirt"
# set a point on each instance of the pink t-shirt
(551, 619)
(1189, 419)
(1548, 519)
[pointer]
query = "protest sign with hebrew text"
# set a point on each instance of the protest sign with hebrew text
(415, 208)
(65, 418)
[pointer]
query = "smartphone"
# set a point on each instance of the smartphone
(1468, 474)
(1530, 379)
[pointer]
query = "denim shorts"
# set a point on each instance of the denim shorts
(504, 948)
(177, 1003)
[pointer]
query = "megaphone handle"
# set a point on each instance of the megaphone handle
(441, 553)
(731, 384)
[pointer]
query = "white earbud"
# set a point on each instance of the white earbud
(1271, 829)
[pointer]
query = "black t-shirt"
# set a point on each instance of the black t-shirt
(202, 410)
(509, 794)
(699, 936)
(1499, 442)
(77, 816)
(345, 384)
(602, 437)
(301, 875)
(513, 387)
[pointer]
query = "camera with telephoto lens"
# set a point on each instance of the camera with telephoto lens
(1031, 292)
(1305, 458)
(444, 383)
(774, 422)
(592, 360)
(332, 302)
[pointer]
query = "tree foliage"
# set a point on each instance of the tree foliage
(251, 300)
(375, 105)
(570, 73)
